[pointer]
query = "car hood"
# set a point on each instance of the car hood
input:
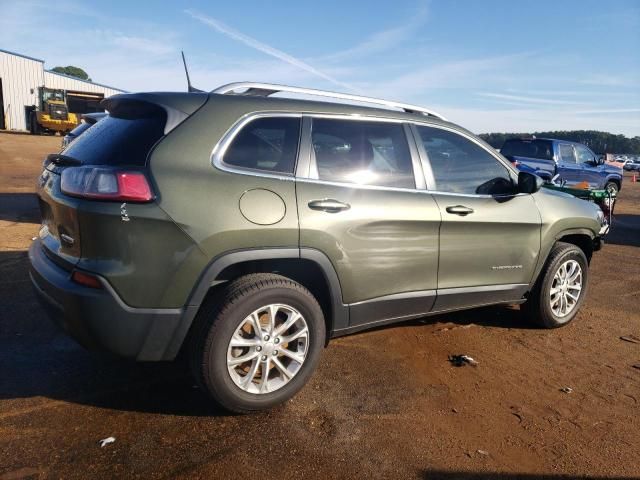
(555, 193)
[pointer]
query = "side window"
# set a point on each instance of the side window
(269, 144)
(584, 155)
(567, 155)
(461, 166)
(370, 153)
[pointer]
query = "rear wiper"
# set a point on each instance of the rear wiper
(60, 159)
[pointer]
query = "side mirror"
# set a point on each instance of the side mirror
(529, 183)
(600, 161)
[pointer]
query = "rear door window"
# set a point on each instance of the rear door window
(360, 152)
(268, 144)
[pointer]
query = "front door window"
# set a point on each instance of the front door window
(567, 154)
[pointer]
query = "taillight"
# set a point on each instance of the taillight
(106, 184)
(86, 279)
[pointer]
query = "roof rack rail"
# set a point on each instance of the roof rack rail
(254, 89)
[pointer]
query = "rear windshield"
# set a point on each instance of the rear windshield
(528, 148)
(125, 139)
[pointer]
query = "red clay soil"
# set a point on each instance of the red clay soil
(382, 404)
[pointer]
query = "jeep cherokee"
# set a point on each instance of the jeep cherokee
(244, 230)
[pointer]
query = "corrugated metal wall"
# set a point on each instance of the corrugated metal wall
(19, 76)
(55, 80)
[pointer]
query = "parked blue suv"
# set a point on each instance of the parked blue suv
(573, 162)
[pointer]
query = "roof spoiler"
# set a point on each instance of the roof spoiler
(177, 106)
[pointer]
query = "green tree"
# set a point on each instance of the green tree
(72, 72)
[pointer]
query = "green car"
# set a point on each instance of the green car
(245, 230)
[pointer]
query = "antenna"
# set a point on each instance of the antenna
(190, 88)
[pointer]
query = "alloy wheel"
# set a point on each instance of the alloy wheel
(268, 348)
(565, 288)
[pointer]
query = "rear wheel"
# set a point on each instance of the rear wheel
(612, 188)
(560, 289)
(257, 343)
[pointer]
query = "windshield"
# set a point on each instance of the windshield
(56, 95)
(528, 148)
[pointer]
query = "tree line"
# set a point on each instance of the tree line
(599, 142)
(72, 71)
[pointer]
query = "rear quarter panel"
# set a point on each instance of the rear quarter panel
(141, 258)
(204, 201)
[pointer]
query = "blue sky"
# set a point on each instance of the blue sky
(489, 66)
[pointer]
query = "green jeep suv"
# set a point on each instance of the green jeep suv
(244, 230)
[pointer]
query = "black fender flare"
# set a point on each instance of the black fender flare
(209, 278)
(542, 260)
(614, 178)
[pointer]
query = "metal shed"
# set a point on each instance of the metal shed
(20, 78)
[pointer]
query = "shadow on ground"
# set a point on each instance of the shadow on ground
(444, 475)
(19, 207)
(625, 230)
(40, 361)
(508, 317)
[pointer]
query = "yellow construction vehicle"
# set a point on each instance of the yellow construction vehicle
(51, 115)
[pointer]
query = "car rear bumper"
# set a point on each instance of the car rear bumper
(98, 319)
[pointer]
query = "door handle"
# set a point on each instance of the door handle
(328, 205)
(459, 210)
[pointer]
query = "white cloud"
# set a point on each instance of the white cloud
(608, 111)
(383, 40)
(528, 100)
(263, 47)
(461, 74)
(142, 44)
(613, 79)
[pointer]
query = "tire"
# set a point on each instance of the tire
(538, 307)
(611, 187)
(219, 321)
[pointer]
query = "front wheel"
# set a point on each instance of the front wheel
(257, 343)
(560, 289)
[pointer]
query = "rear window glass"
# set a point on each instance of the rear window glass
(528, 148)
(119, 141)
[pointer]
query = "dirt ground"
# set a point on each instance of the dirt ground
(382, 404)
